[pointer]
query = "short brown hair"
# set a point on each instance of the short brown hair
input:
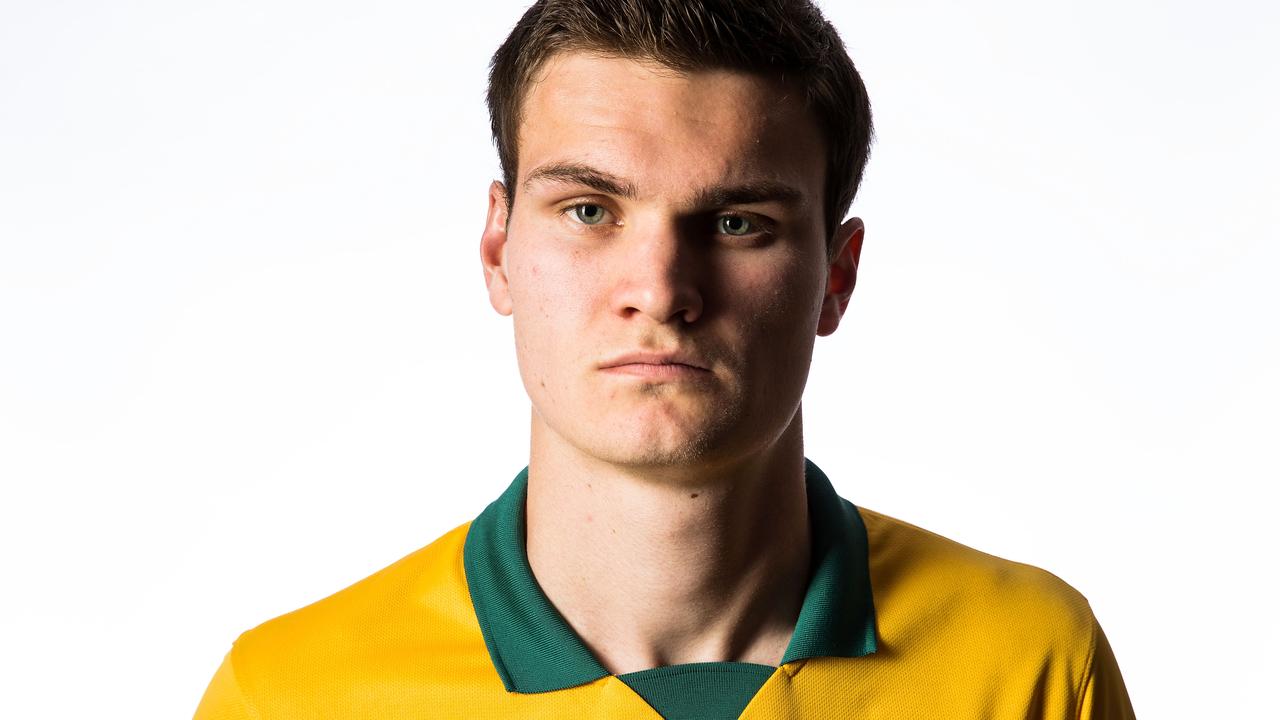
(789, 39)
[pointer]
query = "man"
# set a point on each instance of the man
(668, 240)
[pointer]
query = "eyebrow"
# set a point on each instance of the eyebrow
(579, 174)
(748, 193)
(573, 173)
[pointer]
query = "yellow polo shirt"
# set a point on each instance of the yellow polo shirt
(897, 622)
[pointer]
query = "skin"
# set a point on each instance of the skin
(666, 517)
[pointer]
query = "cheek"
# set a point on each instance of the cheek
(551, 297)
(549, 288)
(778, 320)
(780, 295)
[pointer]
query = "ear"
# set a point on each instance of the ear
(493, 249)
(842, 274)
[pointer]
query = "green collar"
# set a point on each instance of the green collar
(534, 649)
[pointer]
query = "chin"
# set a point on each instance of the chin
(655, 456)
(664, 447)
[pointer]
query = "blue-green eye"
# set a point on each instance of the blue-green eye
(734, 225)
(589, 214)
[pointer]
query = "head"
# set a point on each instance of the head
(667, 234)
(784, 39)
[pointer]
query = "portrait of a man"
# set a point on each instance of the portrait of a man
(669, 238)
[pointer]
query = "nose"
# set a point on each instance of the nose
(658, 275)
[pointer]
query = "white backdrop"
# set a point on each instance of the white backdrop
(246, 357)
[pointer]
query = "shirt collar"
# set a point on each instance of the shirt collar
(535, 650)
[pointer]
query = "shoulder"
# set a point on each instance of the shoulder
(964, 633)
(425, 582)
(930, 589)
(409, 610)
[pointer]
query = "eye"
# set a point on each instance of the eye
(734, 225)
(589, 213)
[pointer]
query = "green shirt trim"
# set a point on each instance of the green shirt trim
(535, 650)
(531, 645)
(838, 617)
(699, 691)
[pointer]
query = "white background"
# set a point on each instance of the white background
(246, 357)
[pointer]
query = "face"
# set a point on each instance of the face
(664, 261)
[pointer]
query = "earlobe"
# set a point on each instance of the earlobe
(493, 249)
(842, 275)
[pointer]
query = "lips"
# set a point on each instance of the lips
(656, 358)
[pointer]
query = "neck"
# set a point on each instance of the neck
(664, 568)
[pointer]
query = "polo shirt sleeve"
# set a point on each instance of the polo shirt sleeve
(1103, 695)
(224, 699)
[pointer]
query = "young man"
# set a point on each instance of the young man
(668, 242)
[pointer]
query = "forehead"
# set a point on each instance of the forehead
(667, 131)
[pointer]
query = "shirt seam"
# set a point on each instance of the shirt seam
(240, 687)
(480, 608)
(794, 667)
(1088, 669)
(690, 671)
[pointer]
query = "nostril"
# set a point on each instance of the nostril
(662, 304)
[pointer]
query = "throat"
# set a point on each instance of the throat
(650, 575)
